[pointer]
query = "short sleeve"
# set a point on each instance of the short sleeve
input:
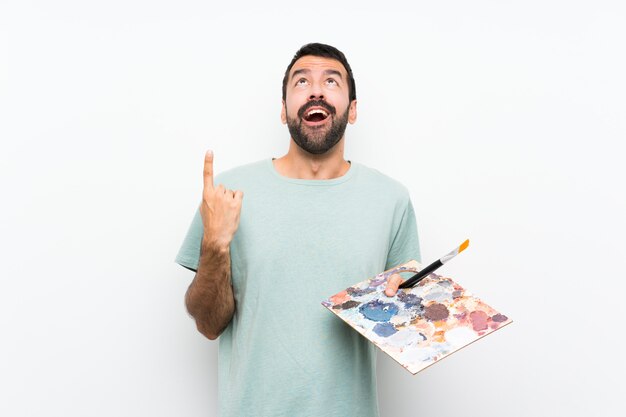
(189, 253)
(405, 245)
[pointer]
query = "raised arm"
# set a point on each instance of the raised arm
(209, 298)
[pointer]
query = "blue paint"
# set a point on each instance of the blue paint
(355, 292)
(376, 310)
(409, 300)
(444, 283)
(384, 329)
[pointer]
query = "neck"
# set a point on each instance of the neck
(303, 165)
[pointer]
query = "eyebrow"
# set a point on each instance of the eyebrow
(308, 71)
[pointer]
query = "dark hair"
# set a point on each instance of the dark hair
(324, 51)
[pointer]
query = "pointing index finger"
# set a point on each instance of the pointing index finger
(208, 170)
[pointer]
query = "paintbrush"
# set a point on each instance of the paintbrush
(411, 282)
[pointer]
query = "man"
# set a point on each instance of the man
(311, 224)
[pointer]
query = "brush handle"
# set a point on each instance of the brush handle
(411, 282)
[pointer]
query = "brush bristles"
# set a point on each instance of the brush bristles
(464, 246)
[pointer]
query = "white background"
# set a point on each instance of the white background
(504, 119)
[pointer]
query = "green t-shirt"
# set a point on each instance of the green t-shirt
(299, 242)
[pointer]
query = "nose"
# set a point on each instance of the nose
(316, 92)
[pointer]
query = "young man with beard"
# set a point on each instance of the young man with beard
(310, 225)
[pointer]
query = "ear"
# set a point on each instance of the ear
(283, 113)
(352, 112)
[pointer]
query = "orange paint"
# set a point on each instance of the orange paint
(340, 298)
(439, 337)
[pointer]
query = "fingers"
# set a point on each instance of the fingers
(234, 194)
(238, 196)
(393, 283)
(208, 170)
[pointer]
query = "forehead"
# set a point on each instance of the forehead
(318, 64)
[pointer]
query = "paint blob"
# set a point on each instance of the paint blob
(436, 312)
(479, 320)
(355, 292)
(377, 310)
(348, 304)
(384, 329)
(409, 300)
(499, 318)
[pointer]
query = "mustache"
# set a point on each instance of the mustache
(317, 103)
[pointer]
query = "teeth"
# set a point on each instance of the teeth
(312, 112)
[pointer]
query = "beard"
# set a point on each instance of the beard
(317, 140)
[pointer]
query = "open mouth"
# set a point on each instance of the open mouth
(316, 115)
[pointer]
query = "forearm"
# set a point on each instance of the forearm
(209, 298)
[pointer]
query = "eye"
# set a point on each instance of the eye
(331, 81)
(301, 81)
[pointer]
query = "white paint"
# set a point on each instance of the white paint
(460, 336)
(408, 337)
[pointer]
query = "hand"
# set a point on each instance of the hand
(393, 283)
(220, 208)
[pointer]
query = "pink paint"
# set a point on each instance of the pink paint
(479, 320)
